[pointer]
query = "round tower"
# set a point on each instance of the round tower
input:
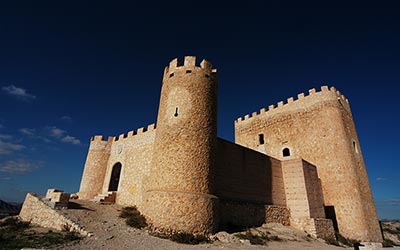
(95, 168)
(179, 191)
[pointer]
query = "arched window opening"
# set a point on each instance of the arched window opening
(261, 139)
(286, 152)
(115, 176)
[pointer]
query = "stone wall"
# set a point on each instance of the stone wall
(246, 175)
(38, 213)
(236, 214)
(302, 188)
(319, 128)
(134, 151)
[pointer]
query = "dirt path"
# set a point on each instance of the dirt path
(111, 232)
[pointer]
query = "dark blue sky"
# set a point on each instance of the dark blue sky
(69, 71)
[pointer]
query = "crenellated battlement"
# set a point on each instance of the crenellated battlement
(188, 64)
(302, 98)
(130, 134)
(101, 138)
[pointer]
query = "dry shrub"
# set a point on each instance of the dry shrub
(133, 217)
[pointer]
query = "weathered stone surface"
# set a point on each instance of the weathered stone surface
(319, 128)
(35, 211)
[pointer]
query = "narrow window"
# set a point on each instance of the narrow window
(207, 76)
(171, 75)
(261, 139)
(286, 152)
(176, 112)
(188, 71)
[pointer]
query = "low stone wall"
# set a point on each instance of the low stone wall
(324, 229)
(37, 212)
(316, 227)
(277, 214)
(237, 214)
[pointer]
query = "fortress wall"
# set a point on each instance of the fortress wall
(319, 129)
(35, 211)
(301, 102)
(295, 189)
(355, 154)
(246, 175)
(245, 182)
(95, 167)
(302, 187)
(314, 190)
(135, 152)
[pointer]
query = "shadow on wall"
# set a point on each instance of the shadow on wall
(245, 182)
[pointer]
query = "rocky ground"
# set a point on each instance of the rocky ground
(111, 232)
(391, 231)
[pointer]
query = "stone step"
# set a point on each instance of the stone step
(108, 198)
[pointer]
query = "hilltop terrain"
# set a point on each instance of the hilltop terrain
(7, 209)
(111, 232)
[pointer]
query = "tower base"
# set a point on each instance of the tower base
(172, 211)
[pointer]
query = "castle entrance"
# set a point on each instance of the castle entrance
(115, 175)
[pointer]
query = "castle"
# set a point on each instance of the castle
(298, 163)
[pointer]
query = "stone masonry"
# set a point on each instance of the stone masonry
(319, 128)
(38, 212)
(293, 164)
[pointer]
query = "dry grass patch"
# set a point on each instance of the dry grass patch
(133, 217)
(16, 234)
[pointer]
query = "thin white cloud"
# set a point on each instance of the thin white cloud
(50, 134)
(7, 148)
(393, 202)
(55, 132)
(27, 131)
(32, 134)
(19, 166)
(1, 126)
(5, 178)
(62, 135)
(18, 92)
(5, 137)
(380, 179)
(71, 139)
(66, 118)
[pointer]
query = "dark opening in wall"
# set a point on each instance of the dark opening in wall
(188, 71)
(171, 75)
(207, 76)
(286, 152)
(176, 112)
(261, 139)
(115, 175)
(331, 214)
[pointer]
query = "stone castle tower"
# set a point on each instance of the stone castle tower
(320, 129)
(185, 146)
(299, 163)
